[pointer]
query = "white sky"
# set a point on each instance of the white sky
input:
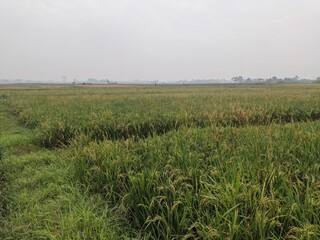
(159, 39)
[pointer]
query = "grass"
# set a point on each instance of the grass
(200, 162)
(39, 199)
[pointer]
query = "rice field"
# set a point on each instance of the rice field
(189, 162)
(120, 113)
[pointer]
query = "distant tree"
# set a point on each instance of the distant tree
(318, 78)
(238, 79)
(291, 80)
(248, 80)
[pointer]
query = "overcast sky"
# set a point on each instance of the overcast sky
(159, 39)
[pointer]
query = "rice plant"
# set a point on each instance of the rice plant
(201, 162)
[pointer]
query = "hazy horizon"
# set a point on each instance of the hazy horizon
(159, 39)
